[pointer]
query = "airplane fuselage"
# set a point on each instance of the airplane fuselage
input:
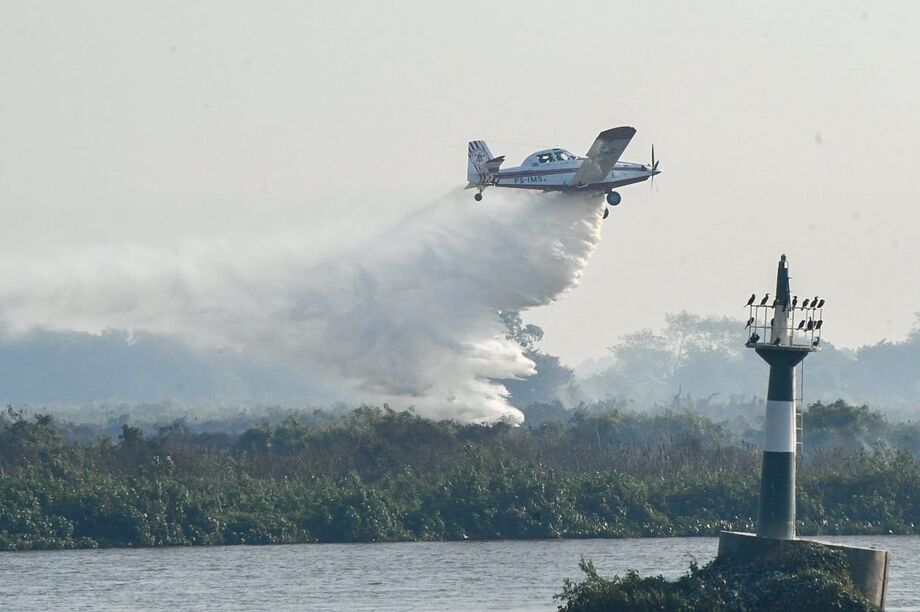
(558, 176)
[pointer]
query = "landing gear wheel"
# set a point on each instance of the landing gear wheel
(613, 198)
(606, 212)
(478, 197)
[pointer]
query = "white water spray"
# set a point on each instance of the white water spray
(408, 318)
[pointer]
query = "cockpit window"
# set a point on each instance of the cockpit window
(544, 158)
(564, 156)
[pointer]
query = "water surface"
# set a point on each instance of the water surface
(509, 575)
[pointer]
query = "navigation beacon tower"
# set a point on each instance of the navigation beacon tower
(783, 342)
(784, 330)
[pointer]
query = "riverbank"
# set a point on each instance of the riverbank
(383, 476)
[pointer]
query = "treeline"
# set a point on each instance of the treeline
(701, 360)
(691, 362)
(380, 475)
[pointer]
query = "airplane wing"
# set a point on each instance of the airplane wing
(602, 155)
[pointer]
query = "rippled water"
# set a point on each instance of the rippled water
(406, 576)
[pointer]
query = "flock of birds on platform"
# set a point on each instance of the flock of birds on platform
(804, 325)
(815, 303)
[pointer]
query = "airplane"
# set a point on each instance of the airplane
(600, 172)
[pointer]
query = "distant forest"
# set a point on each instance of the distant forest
(659, 439)
(701, 363)
(693, 362)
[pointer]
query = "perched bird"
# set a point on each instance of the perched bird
(763, 302)
(751, 300)
(775, 302)
(801, 324)
(816, 342)
(821, 303)
(749, 323)
(776, 341)
(811, 325)
(754, 338)
(805, 304)
(771, 322)
(795, 300)
(819, 324)
(814, 302)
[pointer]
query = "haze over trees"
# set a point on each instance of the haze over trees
(692, 362)
(75, 368)
(701, 363)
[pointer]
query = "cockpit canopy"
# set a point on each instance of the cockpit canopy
(548, 156)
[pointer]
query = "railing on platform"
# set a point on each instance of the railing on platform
(804, 325)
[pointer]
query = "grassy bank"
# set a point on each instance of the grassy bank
(807, 579)
(383, 476)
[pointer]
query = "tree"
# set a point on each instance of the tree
(552, 382)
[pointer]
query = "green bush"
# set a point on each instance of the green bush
(808, 578)
(385, 476)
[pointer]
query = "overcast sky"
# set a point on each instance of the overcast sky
(786, 127)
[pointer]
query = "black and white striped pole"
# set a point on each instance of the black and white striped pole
(781, 347)
(783, 332)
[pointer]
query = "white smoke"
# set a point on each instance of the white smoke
(409, 317)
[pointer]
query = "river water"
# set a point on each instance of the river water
(508, 575)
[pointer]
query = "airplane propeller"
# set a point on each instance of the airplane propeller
(654, 169)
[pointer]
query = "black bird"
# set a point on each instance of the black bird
(816, 342)
(821, 303)
(775, 302)
(753, 339)
(751, 301)
(801, 324)
(819, 324)
(810, 326)
(795, 300)
(771, 322)
(814, 302)
(776, 341)
(805, 304)
(763, 302)
(750, 321)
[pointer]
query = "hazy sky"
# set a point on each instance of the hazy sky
(782, 127)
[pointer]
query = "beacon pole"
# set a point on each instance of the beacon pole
(783, 342)
(778, 346)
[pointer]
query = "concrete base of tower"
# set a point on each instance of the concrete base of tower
(868, 566)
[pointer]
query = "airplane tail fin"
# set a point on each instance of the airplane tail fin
(482, 164)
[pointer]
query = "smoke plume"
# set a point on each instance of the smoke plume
(408, 317)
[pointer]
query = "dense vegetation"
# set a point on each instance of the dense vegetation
(806, 579)
(383, 475)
